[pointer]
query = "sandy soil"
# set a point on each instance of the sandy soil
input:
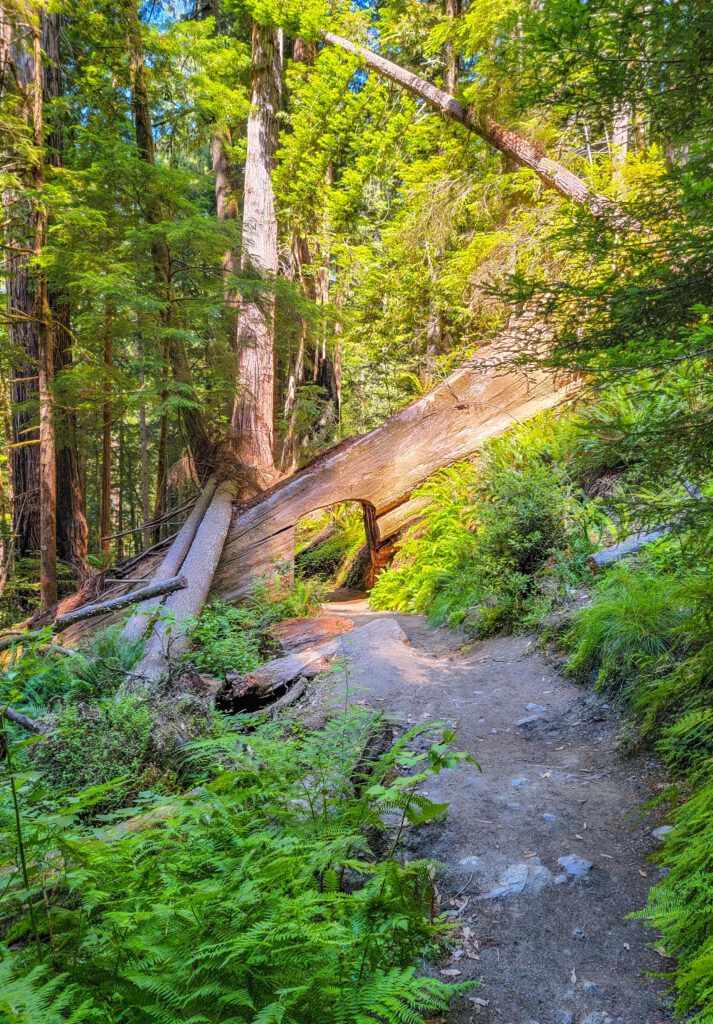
(548, 946)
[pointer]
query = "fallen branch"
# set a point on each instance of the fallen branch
(516, 147)
(28, 724)
(90, 611)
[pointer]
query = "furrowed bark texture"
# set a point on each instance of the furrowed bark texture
(382, 468)
(514, 146)
(254, 402)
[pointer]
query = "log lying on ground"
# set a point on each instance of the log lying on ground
(91, 611)
(294, 635)
(514, 146)
(382, 468)
(631, 546)
(173, 561)
(168, 639)
(271, 679)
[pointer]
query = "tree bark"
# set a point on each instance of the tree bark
(173, 560)
(197, 433)
(169, 641)
(72, 531)
(45, 353)
(17, 77)
(451, 71)
(144, 442)
(514, 146)
(253, 411)
(105, 524)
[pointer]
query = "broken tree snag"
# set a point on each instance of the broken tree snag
(173, 560)
(170, 639)
(514, 146)
(91, 611)
(477, 402)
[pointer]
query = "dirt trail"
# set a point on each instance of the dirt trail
(550, 946)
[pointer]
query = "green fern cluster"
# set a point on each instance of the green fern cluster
(505, 538)
(260, 899)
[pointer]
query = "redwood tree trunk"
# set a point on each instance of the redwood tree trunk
(253, 411)
(18, 236)
(45, 353)
(105, 527)
(514, 146)
(196, 429)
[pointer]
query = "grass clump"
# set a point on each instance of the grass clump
(633, 624)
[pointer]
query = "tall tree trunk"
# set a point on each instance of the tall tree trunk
(72, 533)
(194, 422)
(253, 411)
(514, 146)
(620, 135)
(16, 79)
(451, 71)
(45, 355)
(105, 527)
(144, 442)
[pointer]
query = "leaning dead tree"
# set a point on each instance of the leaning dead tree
(513, 145)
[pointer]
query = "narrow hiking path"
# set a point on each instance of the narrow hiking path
(549, 942)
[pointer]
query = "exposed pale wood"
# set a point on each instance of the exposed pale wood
(28, 724)
(173, 560)
(383, 467)
(630, 546)
(199, 567)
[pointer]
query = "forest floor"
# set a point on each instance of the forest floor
(548, 944)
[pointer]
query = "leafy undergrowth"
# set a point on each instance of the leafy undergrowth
(328, 543)
(235, 637)
(648, 640)
(500, 542)
(274, 892)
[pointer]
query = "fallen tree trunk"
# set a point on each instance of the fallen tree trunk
(382, 468)
(631, 546)
(173, 560)
(514, 146)
(168, 640)
(91, 611)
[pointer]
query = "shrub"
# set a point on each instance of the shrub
(234, 636)
(506, 537)
(93, 746)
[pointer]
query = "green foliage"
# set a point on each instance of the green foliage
(680, 904)
(99, 744)
(94, 669)
(506, 536)
(330, 558)
(235, 636)
(633, 624)
(259, 899)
